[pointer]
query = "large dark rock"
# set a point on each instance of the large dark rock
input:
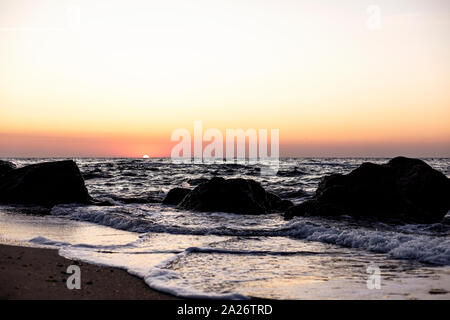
(275, 203)
(175, 195)
(233, 195)
(6, 166)
(404, 188)
(47, 184)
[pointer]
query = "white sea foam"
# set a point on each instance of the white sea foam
(435, 250)
(157, 276)
(158, 279)
(424, 243)
(162, 279)
(47, 242)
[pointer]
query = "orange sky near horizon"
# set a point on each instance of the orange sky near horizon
(115, 78)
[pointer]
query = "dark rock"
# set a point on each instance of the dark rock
(276, 203)
(6, 166)
(175, 195)
(446, 220)
(404, 188)
(47, 184)
(232, 195)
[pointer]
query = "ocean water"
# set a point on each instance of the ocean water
(223, 255)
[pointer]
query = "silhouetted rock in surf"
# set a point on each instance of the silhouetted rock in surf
(47, 184)
(276, 203)
(175, 195)
(233, 195)
(6, 166)
(404, 188)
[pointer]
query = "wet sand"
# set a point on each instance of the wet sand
(36, 273)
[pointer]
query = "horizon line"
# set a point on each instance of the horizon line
(284, 157)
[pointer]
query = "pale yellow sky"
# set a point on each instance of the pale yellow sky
(115, 78)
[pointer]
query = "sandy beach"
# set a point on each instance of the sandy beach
(36, 273)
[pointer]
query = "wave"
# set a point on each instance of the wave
(249, 252)
(156, 277)
(163, 277)
(412, 242)
(96, 174)
(48, 242)
(159, 278)
(295, 172)
(423, 248)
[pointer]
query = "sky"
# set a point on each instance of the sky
(116, 78)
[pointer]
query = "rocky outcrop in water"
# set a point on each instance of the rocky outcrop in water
(233, 195)
(404, 188)
(175, 195)
(47, 183)
(275, 203)
(6, 166)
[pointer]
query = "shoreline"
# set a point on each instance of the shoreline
(28, 273)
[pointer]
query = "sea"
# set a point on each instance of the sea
(230, 256)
